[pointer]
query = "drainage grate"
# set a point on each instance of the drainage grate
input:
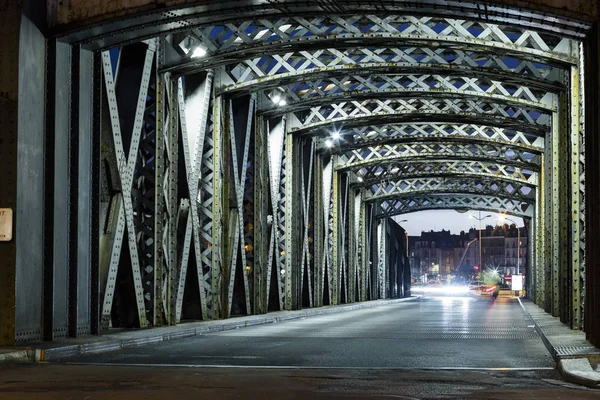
(575, 350)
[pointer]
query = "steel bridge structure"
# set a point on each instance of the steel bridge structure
(192, 160)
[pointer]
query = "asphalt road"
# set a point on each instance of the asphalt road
(436, 333)
(445, 348)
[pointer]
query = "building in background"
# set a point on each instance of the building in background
(443, 256)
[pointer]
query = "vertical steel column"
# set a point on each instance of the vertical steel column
(327, 262)
(352, 242)
(56, 191)
(73, 176)
(592, 188)
(306, 188)
(541, 227)
(84, 189)
(557, 202)
(161, 218)
(171, 196)
(363, 248)
(582, 183)
(96, 144)
(79, 192)
(193, 112)
(276, 258)
(344, 198)
(574, 136)
(293, 296)
(239, 184)
(261, 210)
(549, 216)
(126, 169)
(562, 254)
(49, 170)
(336, 256)
(383, 259)
(219, 214)
(206, 199)
(374, 252)
(319, 233)
(228, 249)
(530, 271)
(280, 212)
(114, 221)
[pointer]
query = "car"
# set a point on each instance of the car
(477, 287)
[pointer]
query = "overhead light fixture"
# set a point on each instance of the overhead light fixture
(329, 143)
(199, 52)
(193, 47)
(360, 179)
(277, 96)
(336, 135)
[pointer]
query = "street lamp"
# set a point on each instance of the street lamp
(471, 216)
(405, 234)
(503, 218)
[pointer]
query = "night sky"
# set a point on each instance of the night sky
(448, 220)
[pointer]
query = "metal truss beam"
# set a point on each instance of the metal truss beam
(411, 58)
(194, 107)
(441, 150)
(239, 171)
(126, 163)
(532, 120)
(446, 177)
(389, 154)
(420, 186)
(260, 227)
(361, 97)
(276, 260)
(307, 199)
(330, 75)
(433, 112)
(254, 38)
(160, 21)
(325, 127)
(389, 208)
(397, 169)
(370, 136)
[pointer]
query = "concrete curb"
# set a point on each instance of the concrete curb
(185, 331)
(573, 369)
(18, 356)
(579, 371)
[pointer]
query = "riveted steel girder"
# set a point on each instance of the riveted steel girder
(365, 136)
(359, 121)
(438, 151)
(371, 100)
(337, 77)
(410, 58)
(488, 187)
(255, 38)
(396, 169)
(180, 19)
(391, 207)
(530, 120)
